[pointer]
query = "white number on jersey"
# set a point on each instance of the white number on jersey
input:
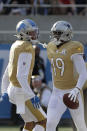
(57, 65)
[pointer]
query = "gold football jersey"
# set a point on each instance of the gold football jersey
(17, 48)
(61, 63)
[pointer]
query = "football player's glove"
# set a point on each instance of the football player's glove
(4, 97)
(35, 102)
(43, 44)
(70, 104)
(73, 94)
(0, 97)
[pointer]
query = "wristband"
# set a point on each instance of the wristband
(78, 88)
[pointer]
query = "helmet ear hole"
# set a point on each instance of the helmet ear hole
(27, 33)
(21, 34)
(67, 34)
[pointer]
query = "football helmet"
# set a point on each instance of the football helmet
(27, 30)
(61, 32)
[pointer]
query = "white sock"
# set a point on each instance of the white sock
(24, 129)
(38, 128)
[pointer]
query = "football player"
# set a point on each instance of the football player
(66, 57)
(18, 73)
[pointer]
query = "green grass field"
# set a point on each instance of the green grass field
(65, 129)
(9, 128)
(17, 129)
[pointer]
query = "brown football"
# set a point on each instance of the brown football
(70, 104)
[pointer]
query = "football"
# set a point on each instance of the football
(70, 104)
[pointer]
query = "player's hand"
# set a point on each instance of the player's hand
(36, 102)
(4, 97)
(43, 44)
(73, 94)
(1, 98)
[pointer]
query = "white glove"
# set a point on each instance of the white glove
(43, 44)
(74, 93)
(1, 98)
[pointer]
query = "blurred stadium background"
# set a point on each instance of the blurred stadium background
(44, 20)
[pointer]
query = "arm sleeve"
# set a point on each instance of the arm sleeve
(80, 67)
(5, 81)
(23, 69)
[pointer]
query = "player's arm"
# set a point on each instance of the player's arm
(5, 81)
(80, 67)
(23, 69)
(44, 45)
(4, 85)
